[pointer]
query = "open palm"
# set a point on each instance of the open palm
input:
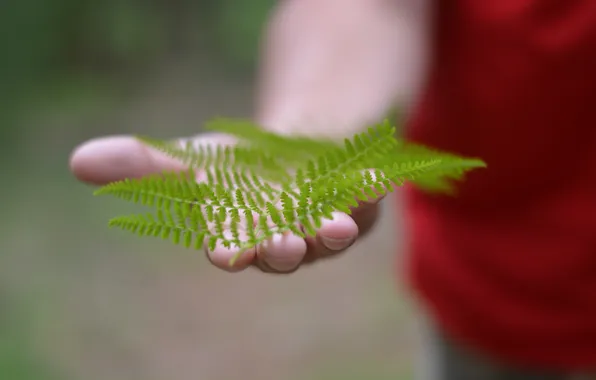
(108, 159)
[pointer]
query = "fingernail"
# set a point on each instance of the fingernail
(336, 244)
(283, 252)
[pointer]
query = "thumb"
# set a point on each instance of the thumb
(114, 158)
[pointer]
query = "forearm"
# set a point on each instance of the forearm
(331, 67)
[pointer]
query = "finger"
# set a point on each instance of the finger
(369, 199)
(281, 254)
(221, 256)
(103, 160)
(365, 217)
(335, 235)
(366, 213)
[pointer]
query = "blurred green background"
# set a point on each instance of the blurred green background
(79, 301)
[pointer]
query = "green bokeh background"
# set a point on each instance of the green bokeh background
(75, 69)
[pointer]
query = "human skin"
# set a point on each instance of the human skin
(328, 68)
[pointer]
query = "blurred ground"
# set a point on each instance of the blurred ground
(97, 304)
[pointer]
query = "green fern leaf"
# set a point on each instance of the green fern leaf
(269, 184)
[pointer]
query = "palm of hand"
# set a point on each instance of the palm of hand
(110, 159)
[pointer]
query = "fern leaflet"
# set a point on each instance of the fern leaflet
(269, 184)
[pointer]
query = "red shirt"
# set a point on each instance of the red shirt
(510, 264)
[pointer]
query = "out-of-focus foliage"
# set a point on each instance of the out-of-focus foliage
(18, 360)
(40, 35)
(238, 27)
(65, 55)
(76, 303)
(49, 41)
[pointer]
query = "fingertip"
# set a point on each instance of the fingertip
(221, 258)
(341, 227)
(78, 162)
(102, 160)
(107, 159)
(283, 253)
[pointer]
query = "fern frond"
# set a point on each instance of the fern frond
(441, 178)
(211, 158)
(270, 184)
(291, 148)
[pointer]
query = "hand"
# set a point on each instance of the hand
(108, 159)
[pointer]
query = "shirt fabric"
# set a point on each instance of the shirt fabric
(509, 264)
